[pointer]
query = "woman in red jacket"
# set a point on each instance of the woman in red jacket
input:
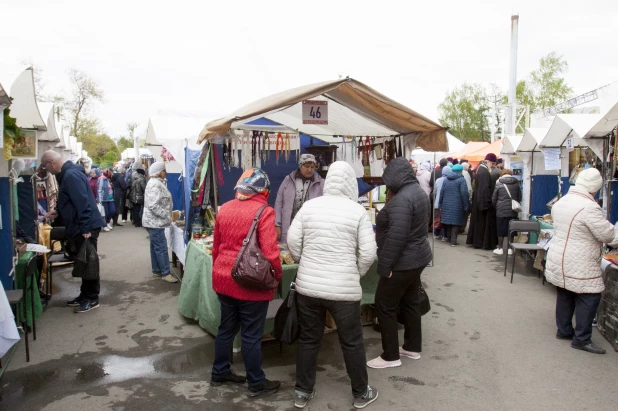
(243, 308)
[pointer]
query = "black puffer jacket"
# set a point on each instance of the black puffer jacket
(501, 200)
(401, 226)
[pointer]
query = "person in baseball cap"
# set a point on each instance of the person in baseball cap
(299, 186)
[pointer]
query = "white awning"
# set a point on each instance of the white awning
(510, 144)
(48, 113)
(24, 107)
(532, 138)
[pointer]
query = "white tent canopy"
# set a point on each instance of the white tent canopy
(48, 112)
(24, 107)
(130, 153)
(385, 116)
(573, 126)
(532, 138)
(510, 144)
(175, 133)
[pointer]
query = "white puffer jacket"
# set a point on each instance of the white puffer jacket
(333, 238)
(574, 258)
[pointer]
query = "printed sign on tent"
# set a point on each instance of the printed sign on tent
(552, 159)
(315, 112)
(569, 145)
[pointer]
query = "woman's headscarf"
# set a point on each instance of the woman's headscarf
(253, 181)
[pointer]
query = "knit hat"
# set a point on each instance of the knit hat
(446, 171)
(490, 157)
(449, 159)
(307, 158)
(156, 168)
(253, 181)
(138, 165)
(457, 168)
(455, 161)
(590, 180)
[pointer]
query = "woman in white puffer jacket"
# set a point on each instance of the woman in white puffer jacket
(334, 241)
(574, 259)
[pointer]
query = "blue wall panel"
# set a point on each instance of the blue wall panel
(6, 242)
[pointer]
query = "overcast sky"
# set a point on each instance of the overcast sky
(209, 58)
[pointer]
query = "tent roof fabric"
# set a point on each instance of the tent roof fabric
(479, 155)
(5, 101)
(510, 144)
(469, 148)
(24, 108)
(355, 96)
(532, 138)
(48, 114)
(562, 125)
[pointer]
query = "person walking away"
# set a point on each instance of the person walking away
(507, 189)
(423, 175)
(105, 197)
(138, 187)
(454, 203)
(299, 186)
(483, 232)
(120, 188)
(157, 215)
(403, 253)
(78, 211)
(573, 260)
(242, 308)
(440, 233)
(333, 239)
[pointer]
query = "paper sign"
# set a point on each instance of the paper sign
(569, 145)
(552, 159)
(315, 112)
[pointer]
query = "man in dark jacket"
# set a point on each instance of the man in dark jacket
(120, 189)
(138, 188)
(403, 253)
(80, 215)
(436, 174)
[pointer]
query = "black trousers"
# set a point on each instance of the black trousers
(452, 233)
(90, 288)
(312, 320)
(584, 306)
(401, 290)
(136, 214)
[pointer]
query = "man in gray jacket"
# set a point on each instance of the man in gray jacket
(300, 186)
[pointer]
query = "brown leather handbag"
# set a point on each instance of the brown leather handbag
(252, 269)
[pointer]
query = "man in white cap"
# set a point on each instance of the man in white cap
(299, 186)
(580, 229)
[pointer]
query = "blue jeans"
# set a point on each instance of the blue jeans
(248, 317)
(108, 206)
(584, 306)
(159, 257)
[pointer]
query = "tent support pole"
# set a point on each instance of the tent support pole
(433, 215)
(531, 178)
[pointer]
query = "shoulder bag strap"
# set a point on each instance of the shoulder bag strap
(245, 242)
(507, 191)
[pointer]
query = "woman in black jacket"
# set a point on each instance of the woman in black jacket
(120, 189)
(507, 189)
(403, 253)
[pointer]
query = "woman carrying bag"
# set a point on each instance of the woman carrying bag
(243, 308)
(507, 190)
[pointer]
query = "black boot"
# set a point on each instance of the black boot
(230, 377)
(267, 387)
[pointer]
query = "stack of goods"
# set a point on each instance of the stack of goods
(284, 255)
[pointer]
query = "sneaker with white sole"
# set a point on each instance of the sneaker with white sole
(370, 396)
(169, 278)
(110, 226)
(301, 399)
(499, 251)
(106, 229)
(381, 363)
(510, 252)
(409, 354)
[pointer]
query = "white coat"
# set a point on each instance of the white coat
(580, 229)
(333, 239)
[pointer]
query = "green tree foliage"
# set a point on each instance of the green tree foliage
(84, 93)
(123, 143)
(464, 112)
(101, 148)
(545, 85)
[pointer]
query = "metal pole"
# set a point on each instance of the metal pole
(531, 180)
(512, 118)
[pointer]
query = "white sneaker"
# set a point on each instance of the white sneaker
(123, 221)
(106, 229)
(510, 251)
(169, 278)
(380, 363)
(111, 227)
(409, 354)
(499, 251)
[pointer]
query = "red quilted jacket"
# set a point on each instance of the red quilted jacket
(233, 223)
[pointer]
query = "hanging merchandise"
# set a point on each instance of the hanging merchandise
(224, 152)
(343, 149)
(278, 146)
(373, 153)
(254, 147)
(230, 157)
(287, 147)
(360, 147)
(352, 148)
(400, 150)
(218, 166)
(265, 148)
(246, 150)
(378, 151)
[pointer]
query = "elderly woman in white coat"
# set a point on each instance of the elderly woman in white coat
(333, 239)
(158, 215)
(573, 261)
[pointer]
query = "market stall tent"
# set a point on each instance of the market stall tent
(470, 147)
(477, 156)
(24, 107)
(454, 144)
(355, 96)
